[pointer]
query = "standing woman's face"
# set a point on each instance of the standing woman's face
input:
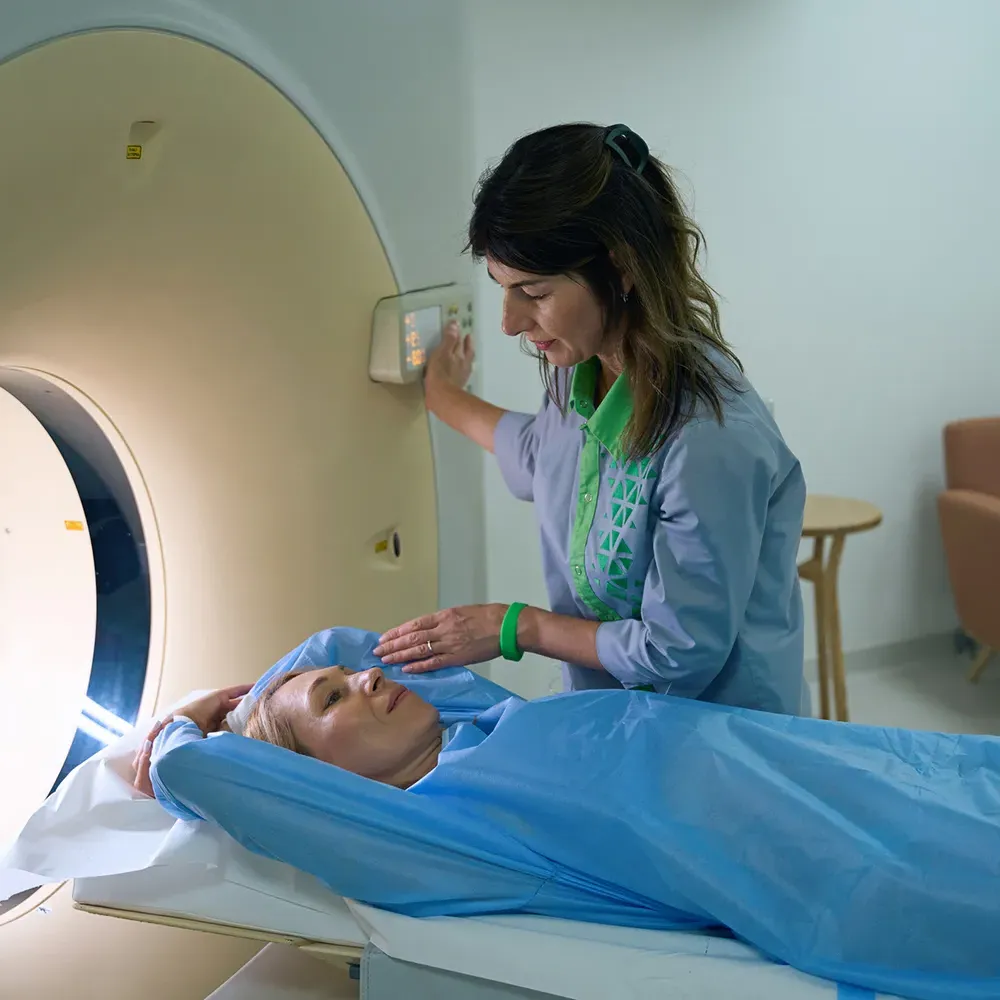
(561, 317)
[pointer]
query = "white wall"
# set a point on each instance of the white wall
(843, 159)
(384, 81)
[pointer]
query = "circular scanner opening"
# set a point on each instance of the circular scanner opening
(75, 599)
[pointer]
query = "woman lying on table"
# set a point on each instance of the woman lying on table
(857, 854)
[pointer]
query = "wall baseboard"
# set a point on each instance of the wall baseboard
(926, 648)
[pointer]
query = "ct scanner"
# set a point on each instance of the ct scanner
(212, 447)
(187, 285)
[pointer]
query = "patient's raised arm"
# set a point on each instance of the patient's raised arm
(365, 840)
(207, 713)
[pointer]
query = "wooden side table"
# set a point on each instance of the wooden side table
(831, 518)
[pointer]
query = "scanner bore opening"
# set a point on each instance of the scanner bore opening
(121, 572)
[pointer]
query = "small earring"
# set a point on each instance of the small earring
(625, 297)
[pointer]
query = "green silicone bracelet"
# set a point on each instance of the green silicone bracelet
(509, 648)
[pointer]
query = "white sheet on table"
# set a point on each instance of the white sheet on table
(308, 912)
(96, 824)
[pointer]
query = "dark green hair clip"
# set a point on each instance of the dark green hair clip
(629, 146)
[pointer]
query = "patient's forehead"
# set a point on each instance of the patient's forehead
(299, 690)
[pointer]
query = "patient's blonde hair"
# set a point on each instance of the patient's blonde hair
(266, 724)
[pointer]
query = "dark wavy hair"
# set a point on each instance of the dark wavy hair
(563, 202)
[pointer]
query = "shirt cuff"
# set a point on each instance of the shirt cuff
(621, 648)
(627, 653)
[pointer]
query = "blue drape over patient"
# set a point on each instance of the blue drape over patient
(859, 854)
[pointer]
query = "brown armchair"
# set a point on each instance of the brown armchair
(969, 510)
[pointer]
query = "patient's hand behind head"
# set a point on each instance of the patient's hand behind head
(361, 722)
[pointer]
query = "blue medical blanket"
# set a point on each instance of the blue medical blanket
(862, 855)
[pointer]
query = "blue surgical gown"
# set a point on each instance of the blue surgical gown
(858, 854)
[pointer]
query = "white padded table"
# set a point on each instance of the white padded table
(562, 958)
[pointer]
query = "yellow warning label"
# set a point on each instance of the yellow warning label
(382, 545)
(74, 525)
(133, 152)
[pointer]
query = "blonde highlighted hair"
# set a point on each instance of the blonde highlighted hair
(265, 723)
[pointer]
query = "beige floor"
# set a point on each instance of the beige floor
(933, 695)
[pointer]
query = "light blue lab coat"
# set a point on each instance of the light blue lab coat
(687, 557)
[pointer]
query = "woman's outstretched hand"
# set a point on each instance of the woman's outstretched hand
(450, 362)
(456, 637)
(208, 713)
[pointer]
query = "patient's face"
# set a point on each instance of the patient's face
(361, 722)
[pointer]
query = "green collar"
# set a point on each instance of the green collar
(607, 423)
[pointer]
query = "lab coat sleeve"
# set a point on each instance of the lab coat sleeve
(715, 488)
(401, 850)
(515, 445)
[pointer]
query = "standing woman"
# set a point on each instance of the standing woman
(669, 506)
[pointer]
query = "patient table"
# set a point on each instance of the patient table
(480, 958)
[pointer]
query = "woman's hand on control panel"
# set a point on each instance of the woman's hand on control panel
(450, 362)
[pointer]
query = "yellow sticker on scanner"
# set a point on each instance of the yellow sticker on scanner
(133, 152)
(382, 545)
(74, 525)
